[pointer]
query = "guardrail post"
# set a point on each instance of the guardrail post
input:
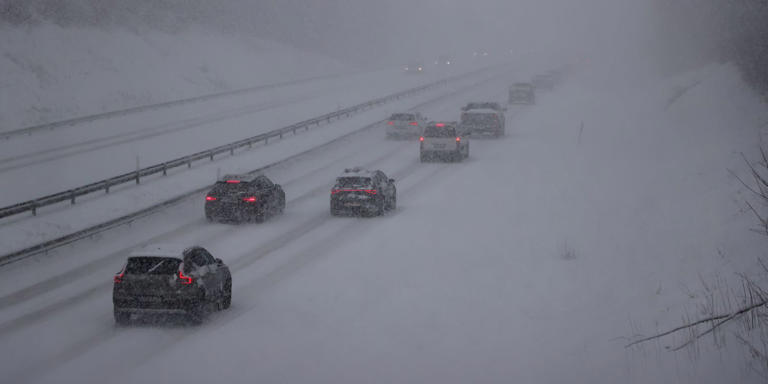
(138, 181)
(232, 150)
(106, 186)
(165, 170)
(250, 144)
(211, 155)
(72, 197)
(34, 208)
(281, 135)
(189, 163)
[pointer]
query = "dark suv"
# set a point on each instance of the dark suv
(239, 198)
(167, 279)
(359, 191)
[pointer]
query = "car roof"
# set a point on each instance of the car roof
(482, 110)
(357, 172)
(160, 250)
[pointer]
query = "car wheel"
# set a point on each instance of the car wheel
(122, 318)
(227, 301)
(197, 312)
(393, 206)
(422, 158)
(260, 217)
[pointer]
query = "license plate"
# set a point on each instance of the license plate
(438, 146)
(352, 204)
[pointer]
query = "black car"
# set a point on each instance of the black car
(168, 279)
(522, 93)
(362, 192)
(239, 198)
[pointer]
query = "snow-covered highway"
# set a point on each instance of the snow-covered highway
(529, 263)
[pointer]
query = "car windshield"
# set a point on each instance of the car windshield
(403, 117)
(435, 131)
(149, 265)
(479, 118)
(353, 182)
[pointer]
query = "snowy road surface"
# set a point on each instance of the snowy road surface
(69, 157)
(529, 263)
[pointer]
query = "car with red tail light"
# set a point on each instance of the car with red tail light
(405, 125)
(238, 198)
(362, 192)
(171, 280)
(443, 141)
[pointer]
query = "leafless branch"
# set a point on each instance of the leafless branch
(718, 319)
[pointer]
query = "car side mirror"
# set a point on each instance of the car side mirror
(392, 181)
(219, 262)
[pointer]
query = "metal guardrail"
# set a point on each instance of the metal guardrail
(129, 218)
(142, 108)
(71, 195)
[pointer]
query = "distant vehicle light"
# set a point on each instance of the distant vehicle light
(420, 68)
(448, 63)
(391, 122)
(210, 198)
(233, 181)
(440, 125)
(421, 138)
(250, 199)
(458, 139)
(119, 277)
(414, 123)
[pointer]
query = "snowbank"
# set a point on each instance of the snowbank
(50, 73)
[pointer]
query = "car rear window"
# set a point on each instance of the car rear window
(433, 131)
(403, 117)
(150, 265)
(353, 182)
(224, 188)
(479, 118)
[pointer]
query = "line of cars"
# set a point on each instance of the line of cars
(189, 281)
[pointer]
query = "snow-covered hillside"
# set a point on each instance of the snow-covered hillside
(51, 73)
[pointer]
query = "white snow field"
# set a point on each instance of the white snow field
(532, 262)
(54, 73)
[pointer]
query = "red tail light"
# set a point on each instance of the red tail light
(370, 191)
(233, 181)
(251, 199)
(414, 123)
(210, 198)
(185, 279)
(458, 139)
(119, 277)
(335, 191)
(440, 125)
(421, 138)
(391, 122)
